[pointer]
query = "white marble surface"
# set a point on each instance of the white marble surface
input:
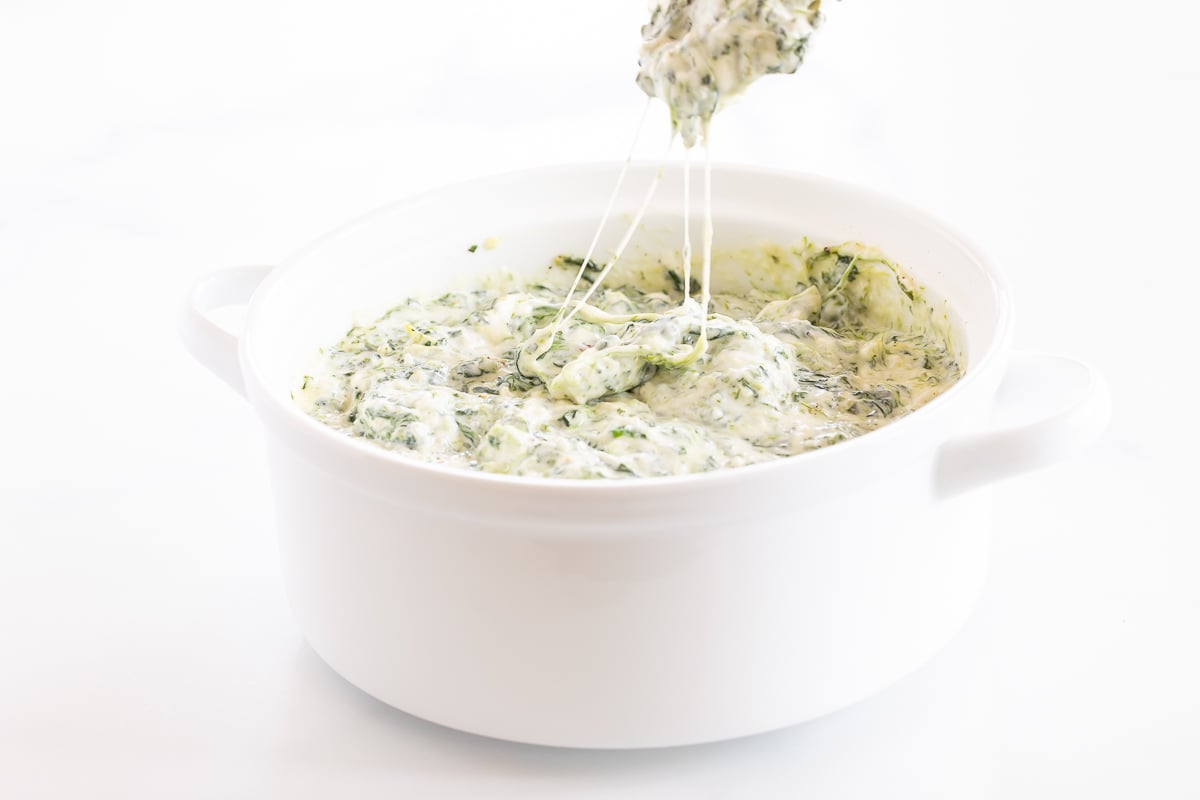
(145, 646)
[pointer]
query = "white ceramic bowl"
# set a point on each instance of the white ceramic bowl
(645, 612)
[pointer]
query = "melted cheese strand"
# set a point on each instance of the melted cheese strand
(695, 54)
(637, 134)
(633, 226)
(705, 288)
(687, 236)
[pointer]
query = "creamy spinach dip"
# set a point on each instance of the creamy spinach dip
(802, 347)
(697, 54)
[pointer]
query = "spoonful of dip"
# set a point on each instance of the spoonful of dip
(697, 54)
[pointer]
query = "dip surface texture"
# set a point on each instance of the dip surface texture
(804, 347)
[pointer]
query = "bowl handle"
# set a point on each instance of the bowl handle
(209, 343)
(1048, 407)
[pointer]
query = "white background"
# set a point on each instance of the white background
(145, 646)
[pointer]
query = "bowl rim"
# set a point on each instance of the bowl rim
(268, 403)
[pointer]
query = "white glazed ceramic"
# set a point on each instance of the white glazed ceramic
(649, 612)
